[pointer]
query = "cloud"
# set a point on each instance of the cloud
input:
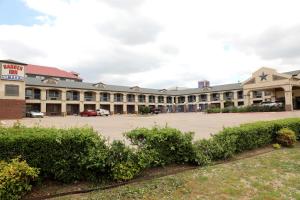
(132, 30)
(124, 4)
(19, 50)
(119, 61)
(169, 49)
(155, 43)
(274, 43)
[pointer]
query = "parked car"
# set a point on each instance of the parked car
(35, 114)
(271, 104)
(102, 112)
(88, 113)
(155, 111)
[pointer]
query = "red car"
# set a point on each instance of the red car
(88, 113)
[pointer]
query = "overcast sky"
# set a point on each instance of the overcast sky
(153, 43)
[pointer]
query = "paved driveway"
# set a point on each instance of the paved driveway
(202, 124)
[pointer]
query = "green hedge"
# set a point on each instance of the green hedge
(61, 154)
(164, 145)
(144, 110)
(244, 109)
(230, 141)
(81, 154)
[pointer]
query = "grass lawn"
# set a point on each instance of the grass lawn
(275, 175)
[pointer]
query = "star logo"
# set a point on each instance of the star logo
(263, 76)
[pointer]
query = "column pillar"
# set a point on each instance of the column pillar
(263, 95)
(173, 103)
(247, 97)
(165, 109)
(273, 95)
(63, 102)
(156, 101)
(124, 103)
(197, 102)
(64, 108)
(208, 95)
(43, 100)
(147, 99)
(43, 94)
(97, 100)
(81, 99)
(222, 100)
(251, 98)
(112, 105)
(288, 93)
(186, 103)
(235, 98)
(136, 104)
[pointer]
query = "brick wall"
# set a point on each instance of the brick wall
(12, 109)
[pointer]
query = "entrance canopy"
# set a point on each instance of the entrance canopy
(267, 79)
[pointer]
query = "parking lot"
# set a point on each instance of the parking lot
(113, 126)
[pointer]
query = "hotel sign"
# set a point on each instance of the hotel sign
(12, 72)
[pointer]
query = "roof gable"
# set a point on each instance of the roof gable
(49, 71)
(265, 75)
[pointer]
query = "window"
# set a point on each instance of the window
(268, 93)
(257, 94)
(53, 93)
(11, 90)
(161, 99)
(28, 92)
(151, 99)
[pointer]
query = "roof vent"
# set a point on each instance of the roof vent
(99, 85)
(50, 81)
(163, 90)
(135, 88)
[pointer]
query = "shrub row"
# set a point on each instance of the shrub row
(245, 137)
(163, 145)
(144, 110)
(252, 108)
(81, 154)
(61, 154)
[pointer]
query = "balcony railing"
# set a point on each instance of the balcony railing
(181, 100)
(228, 98)
(142, 100)
(240, 96)
(104, 99)
(130, 99)
(118, 99)
(216, 98)
(73, 98)
(33, 97)
(53, 97)
(151, 100)
(89, 98)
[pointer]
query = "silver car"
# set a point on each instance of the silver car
(271, 104)
(102, 112)
(35, 114)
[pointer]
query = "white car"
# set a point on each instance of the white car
(102, 112)
(35, 114)
(271, 104)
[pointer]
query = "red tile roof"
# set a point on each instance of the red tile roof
(49, 71)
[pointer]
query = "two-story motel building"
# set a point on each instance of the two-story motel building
(56, 92)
